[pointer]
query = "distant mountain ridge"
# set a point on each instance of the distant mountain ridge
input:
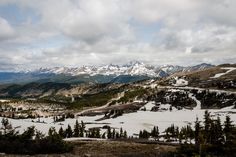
(130, 72)
(135, 68)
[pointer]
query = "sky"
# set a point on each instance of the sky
(73, 33)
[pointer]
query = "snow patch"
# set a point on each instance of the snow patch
(221, 74)
(180, 82)
(148, 106)
(3, 100)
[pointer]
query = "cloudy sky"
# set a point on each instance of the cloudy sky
(50, 33)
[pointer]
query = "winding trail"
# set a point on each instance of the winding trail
(198, 107)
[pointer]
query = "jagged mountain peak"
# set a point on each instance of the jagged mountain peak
(131, 68)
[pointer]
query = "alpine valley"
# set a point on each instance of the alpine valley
(134, 103)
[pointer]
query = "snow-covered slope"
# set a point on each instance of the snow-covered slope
(132, 68)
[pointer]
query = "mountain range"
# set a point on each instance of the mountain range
(132, 68)
(130, 72)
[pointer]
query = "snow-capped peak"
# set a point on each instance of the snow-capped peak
(132, 68)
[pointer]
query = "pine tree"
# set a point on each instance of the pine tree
(125, 134)
(51, 132)
(82, 129)
(190, 133)
(61, 132)
(140, 134)
(183, 134)
(155, 132)
(76, 129)
(109, 134)
(39, 135)
(29, 133)
(117, 135)
(219, 132)
(121, 132)
(228, 127)
(113, 133)
(176, 133)
(207, 123)
(180, 137)
(197, 131)
(146, 134)
(69, 132)
(212, 133)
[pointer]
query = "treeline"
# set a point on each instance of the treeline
(79, 131)
(31, 141)
(215, 99)
(178, 99)
(63, 117)
(210, 138)
(154, 133)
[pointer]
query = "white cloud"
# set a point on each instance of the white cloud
(6, 30)
(104, 31)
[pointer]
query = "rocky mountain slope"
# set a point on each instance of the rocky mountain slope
(219, 77)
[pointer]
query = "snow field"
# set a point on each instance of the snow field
(131, 122)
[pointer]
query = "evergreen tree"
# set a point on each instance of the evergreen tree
(117, 135)
(140, 134)
(61, 132)
(228, 127)
(176, 133)
(121, 132)
(113, 133)
(52, 132)
(28, 134)
(183, 133)
(180, 137)
(69, 132)
(190, 133)
(207, 123)
(76, 129)
(125, 134)
(109, 134)
(82, 129)
(155, 132)
(39, 135)
(219, 132)
(146, 134)
(197, 132)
